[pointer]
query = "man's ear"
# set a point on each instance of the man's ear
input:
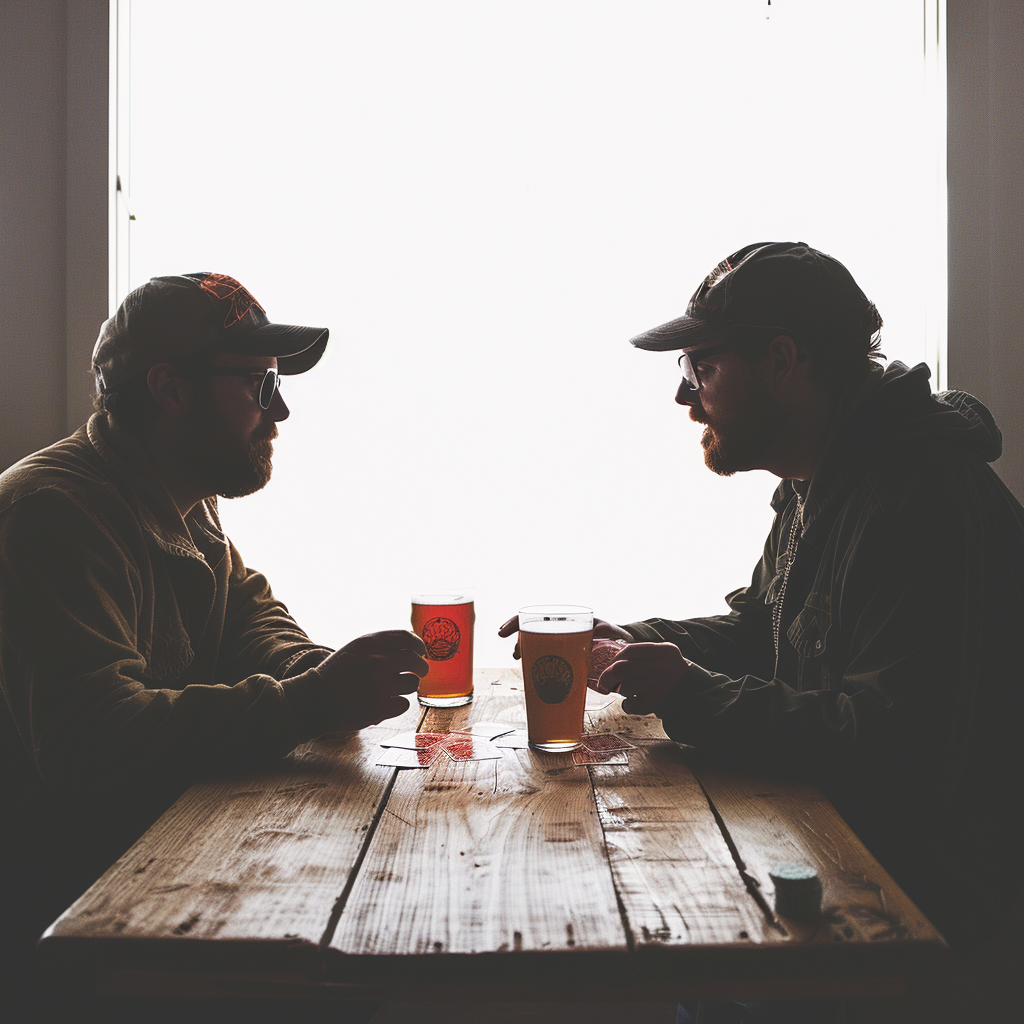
(786, 363)
(171, 392)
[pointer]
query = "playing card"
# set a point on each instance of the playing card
(461, 747)
(607, 741)
(399, 757)
(514, 740)
(598, 701)
(488, 730)
(414, 740)
(602, 654)
(583, 756)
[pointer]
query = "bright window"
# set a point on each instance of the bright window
(483, 201)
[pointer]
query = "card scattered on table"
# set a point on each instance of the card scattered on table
(487, 730)
(598, 701)
(517, 739)
(414, 740)
(462, 747)
(607, 741)
(400, 757)
(583, 756)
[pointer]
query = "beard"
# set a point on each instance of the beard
(250, 470)
(739, 441)
(232, 466)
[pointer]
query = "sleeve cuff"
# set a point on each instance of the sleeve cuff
(643, 631)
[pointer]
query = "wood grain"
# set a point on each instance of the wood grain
(485, 857)
(673, 871)
(527, 871)
(257, 857)
(781, 820)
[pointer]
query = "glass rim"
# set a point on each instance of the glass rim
(555, 613)
(454, 595)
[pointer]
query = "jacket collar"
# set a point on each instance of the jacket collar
(129, 463)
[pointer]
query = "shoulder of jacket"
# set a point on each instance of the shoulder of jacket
(72, 496)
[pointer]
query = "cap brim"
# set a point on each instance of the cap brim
(297, 349)
(683, 333)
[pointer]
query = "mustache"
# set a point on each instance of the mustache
(267, 435)
(697, 415)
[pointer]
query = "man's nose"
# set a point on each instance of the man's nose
(278, 409)
(687, 393)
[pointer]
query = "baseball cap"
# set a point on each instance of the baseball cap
(787, 286)
(171, 317)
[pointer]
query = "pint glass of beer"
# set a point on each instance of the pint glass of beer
(554, 643)
(444, 622)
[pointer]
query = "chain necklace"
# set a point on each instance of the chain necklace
(794, 540)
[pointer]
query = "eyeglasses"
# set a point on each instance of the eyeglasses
(689, 367)
(269, 380)
(747, 334)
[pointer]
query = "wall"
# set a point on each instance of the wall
(53, 214)
(985, 39)
(33, 115)
(53, 217)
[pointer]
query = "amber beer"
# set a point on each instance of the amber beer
(444, 622)
(554, 643)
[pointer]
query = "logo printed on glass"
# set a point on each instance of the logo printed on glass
(441, 638)
(552, 678)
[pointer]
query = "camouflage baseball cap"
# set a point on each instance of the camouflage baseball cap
(171, 317)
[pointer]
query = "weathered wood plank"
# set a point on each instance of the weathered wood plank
(485, 865)
(485, 857)
(674, 873)
(259, 857)
(781, 820)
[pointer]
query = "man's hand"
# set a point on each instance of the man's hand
(645, 674)
(602, 630)
(359, 685)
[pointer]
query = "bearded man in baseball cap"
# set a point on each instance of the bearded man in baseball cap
(876, 650)
(137, 650)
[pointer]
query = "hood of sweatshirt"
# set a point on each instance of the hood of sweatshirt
(892, 413)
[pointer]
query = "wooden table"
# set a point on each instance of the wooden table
(524, 878)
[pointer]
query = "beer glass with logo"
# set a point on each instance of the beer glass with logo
(444, 622)
(554, 644)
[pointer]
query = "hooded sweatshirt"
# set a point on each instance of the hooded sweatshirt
(895, 578)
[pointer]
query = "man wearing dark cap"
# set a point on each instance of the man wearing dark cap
(137, 650)
(876, 650)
